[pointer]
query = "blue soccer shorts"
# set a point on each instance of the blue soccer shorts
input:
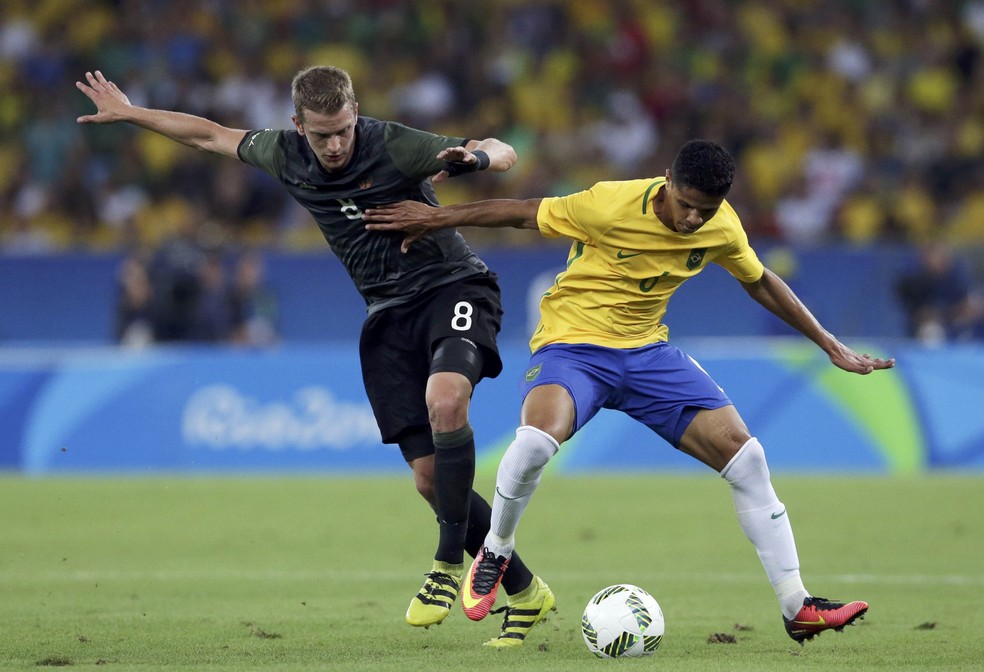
(659, 385)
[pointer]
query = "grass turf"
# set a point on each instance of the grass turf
(184, 573)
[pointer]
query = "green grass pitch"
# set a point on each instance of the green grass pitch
(239, 573)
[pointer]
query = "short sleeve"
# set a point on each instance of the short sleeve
(264, 149)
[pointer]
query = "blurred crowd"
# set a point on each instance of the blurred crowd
(851, 121)
(181, 292)
(857, 122)
(941, 298)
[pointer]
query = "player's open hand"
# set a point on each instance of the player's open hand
(111, 103)
(845, 358)
(412, 217)
(453, 155)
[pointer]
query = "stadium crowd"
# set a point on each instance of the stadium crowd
(851, 121)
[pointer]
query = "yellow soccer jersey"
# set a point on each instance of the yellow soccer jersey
(624, 264)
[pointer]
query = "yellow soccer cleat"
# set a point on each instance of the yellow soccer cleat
(433, 603)
(523, 611)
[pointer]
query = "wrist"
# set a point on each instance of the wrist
(483, 161)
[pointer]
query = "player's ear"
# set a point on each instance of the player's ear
(298, 124)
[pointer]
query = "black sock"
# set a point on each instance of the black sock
(454, 472)
(518, 576)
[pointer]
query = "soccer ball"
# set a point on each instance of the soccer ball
(622, 621)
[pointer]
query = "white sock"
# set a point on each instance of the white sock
(519, 474)
(764, 521)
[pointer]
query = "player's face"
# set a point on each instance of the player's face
(331, 136)
(686, 209)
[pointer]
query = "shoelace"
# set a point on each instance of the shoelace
(487, 572)
(439, 579)
(521, 634)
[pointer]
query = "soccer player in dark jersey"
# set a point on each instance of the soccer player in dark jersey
(433, 314)
(602, 343)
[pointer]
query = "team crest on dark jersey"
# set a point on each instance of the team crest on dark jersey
(696, 257)
(366, 182)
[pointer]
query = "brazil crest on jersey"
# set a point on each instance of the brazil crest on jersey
(624, 264)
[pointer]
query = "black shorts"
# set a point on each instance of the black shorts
(397, 346)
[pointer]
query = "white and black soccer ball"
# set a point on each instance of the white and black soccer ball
(622, 621)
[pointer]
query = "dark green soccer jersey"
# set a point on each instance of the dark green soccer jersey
(391, 162)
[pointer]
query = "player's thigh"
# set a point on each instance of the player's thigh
(569, 384)
(463, 316)
(395, 368)
(550, 409)
(664, 388)
(714, 436)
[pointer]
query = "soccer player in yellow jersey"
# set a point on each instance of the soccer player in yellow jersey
(601, 343)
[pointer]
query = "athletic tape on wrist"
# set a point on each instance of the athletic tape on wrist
(456, 168)
(483, 159)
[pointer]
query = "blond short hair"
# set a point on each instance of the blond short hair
(324, 89)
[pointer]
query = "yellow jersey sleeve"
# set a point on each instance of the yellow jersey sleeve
(624, 264)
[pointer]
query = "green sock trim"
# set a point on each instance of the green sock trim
(454, 569)
(454, 438)
(523, 595)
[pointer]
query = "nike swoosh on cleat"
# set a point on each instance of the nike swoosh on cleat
(468, 601)
(819, 621)
(779, 515)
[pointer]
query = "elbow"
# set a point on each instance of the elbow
(752, 288)
(760, 286)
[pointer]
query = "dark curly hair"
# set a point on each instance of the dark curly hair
(705, 166)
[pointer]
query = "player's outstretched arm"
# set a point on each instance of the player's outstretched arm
(776, 296)
(416, 218)
(501, 157)
(112, 105)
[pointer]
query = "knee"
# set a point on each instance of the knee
(729, 446)
(447, 412)
(715, 437)
(553, 425)
(549, 409)
(447, 404)
(749, 459)
(536, 446)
